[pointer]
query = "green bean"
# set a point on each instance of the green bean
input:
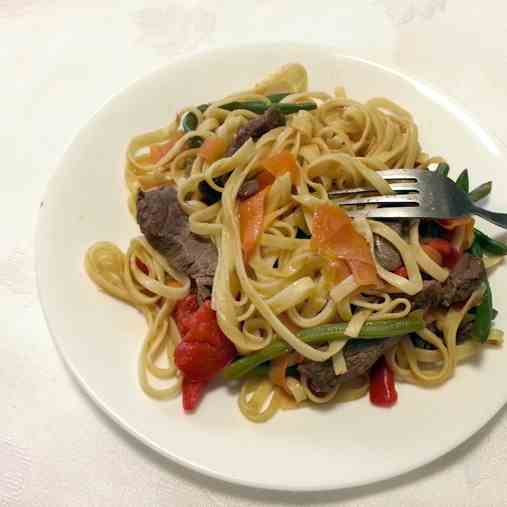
(294, 108)
(189, 122)
(263, 370)
(484, 316)
(277, 97)
(259, 107)
(274, 99)
(256, 106)
(260, 371)
(484, 313)
(480, 192)
(462, 181)
(490, 245)
(476, 249)
(322, 334)
(442, 169)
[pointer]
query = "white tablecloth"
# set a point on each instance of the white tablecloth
(59, 61)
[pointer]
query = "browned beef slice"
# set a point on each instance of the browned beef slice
(387, 255)
(256, 128)
(165, 226)
(360, 355)
(464, 278)
(430, 295)
(321, 377)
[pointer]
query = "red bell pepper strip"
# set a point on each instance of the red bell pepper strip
(450, 255)
(192, 393)
(382, 389)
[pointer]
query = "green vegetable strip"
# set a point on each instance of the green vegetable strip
(442, 169)
(260, 371)
(260, 107)
(462, 181)
(256, 106)
(322, 334)
(189, 122)
(294, 108)
(277, 97)
(476, 249)
(490, 245)
(484, 313)
(480, 192)
(484, 316)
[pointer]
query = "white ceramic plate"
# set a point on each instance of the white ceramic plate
(99, 338)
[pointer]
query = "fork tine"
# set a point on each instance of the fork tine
(381, 199)
(401, 174)
(397, 187)
(395, 213)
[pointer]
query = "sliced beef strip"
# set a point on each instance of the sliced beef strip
(256, 128)
(321, 377)
(387, 255)
(429, 296)
(360, 355)
(464, 278)
(165, 226)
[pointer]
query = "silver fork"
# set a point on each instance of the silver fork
(419, 193)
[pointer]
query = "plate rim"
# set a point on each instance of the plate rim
(450, 104)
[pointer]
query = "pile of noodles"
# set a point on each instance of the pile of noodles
(284, 286)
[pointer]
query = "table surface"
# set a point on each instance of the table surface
(60, 61)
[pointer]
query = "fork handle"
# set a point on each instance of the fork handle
(499, 219)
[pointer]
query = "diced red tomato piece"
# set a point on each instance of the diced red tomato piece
(204, 350)
(184, 311)
(382, 389)
(192, 393)
(199, 360)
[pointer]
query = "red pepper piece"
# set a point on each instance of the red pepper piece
(205, 328)
(382, 389)
(204, 350)
(450, 254)
(401, 271)
(200, 360)
(184, 312)
(192, 393)
(450, 260)
(142, 266)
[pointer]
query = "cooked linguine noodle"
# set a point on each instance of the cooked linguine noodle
(285, 285)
